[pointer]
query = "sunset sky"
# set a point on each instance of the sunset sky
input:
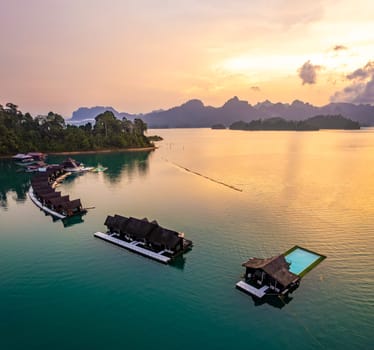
(142, 55)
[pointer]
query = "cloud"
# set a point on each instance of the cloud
(255, 88)
(367, 95)
(340, 48)
(361, 88)
(308, 73)
(362, 73)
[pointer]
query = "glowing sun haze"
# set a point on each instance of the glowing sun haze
(141, 55)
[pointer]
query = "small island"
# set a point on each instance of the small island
(21, 133)
(218, 127)
(316, 123)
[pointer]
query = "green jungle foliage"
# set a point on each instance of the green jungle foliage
(22, 133)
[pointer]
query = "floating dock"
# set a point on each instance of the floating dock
(133, 246)
(245, 287)
(42, 207)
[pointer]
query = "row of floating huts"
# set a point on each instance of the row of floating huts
(43, 193)
(145, 237)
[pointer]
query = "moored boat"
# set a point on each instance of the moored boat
(26, 159)
(99, 169)
(73, 166)
(38, 156)
(37, 167)
(23, 159)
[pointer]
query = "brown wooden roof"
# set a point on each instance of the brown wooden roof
(43, 187)
(108, 221)
(59, 201)
(139, 229)
(43, 192)
(76, 203)
(277, 267)
(163, 236)
(51, 195)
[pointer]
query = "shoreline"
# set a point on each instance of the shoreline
(110, 150)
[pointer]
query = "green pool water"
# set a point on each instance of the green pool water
(302, 260)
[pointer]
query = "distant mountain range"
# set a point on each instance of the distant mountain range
(194, 114)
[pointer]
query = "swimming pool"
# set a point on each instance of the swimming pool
(302, 260)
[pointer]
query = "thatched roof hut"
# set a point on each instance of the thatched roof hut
(163, 237)
(139, 229)
(72, 205)
(276, 267)
(57, 202)
(42, 192)
(108, 221)
(52, 195)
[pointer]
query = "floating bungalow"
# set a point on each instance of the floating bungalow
(42, 192)
(278, 275)
(145, 238)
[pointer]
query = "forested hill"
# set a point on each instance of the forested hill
(22, 133)
(315, 123)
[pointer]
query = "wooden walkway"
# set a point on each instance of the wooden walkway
(133, 247)
(259, 293)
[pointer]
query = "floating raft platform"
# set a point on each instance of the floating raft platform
(133, 246)
(42, 207)
(258, 292)
(144, 237)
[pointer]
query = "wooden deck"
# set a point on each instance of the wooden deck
(259, 293)
(133, 247)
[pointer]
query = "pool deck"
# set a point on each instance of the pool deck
(133, 247)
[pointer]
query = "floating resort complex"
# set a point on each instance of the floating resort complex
(145, 238)
(278, 275)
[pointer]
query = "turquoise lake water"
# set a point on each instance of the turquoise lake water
(300, 259)
(258, 194)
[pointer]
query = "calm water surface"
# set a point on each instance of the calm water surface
(60, 288)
